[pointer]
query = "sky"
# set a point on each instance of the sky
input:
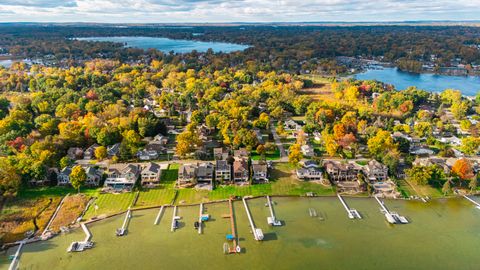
(214, 11)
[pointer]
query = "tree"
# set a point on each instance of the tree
(447, 187)
(419, 174)
(261, 149)
(65, 161)
(470, 145)
(463, 169)
(262, 121)
(9, 179)
(295, 154)
(380, 143)
(78, 176)
(101, 152)
(459, 109)
(423, 129)
(473, 184)
(331, 146)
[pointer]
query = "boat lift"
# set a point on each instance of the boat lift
(123, 230)
(392, 217)
(352, 213)
(272, 220)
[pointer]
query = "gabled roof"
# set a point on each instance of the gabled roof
(151, 168)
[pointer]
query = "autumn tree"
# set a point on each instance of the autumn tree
(101, 152)
(295, 154)
(9, 178)
(380, 143)
(78, 176)
(463, 169)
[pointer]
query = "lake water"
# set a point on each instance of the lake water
(167, 45)
(469, 85)
(443, 234)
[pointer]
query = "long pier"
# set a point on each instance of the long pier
(352, 213)
(200, 221)
(236, 247)
(272, 220)
(159, 215)
(16, 257)
(54, 215)
(392, 217)
(174, 219)
(123, 230)
(257, 233)
(477, 205)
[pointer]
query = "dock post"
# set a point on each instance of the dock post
(200, 219)
(174, 219)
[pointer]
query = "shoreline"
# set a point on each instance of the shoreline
(7, 246)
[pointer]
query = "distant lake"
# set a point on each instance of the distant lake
(166, 44)
(469, 85)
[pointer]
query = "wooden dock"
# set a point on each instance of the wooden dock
(82, 245)
(159, 216)
(236, 247)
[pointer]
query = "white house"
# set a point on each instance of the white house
(122, 176)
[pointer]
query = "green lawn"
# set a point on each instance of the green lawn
(274, 155)
(110, 204)
(169, 176)
(155, 196)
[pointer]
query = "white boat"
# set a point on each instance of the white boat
(79, 246)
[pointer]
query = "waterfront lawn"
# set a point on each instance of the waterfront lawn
(225, 192)
(426, 190)
(109, 204)
(191, 195)
(169, 176)
(270, 155)
(155, 197)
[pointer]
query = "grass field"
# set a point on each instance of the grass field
(155, 196)
(110, 204)
(274, 155)
(71, 209)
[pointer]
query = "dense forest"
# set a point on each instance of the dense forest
(288, 48)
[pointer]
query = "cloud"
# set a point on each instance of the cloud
(119, 11)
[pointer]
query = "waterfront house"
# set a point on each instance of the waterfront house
(63, 177)
(223, 171)
(376, 171)
(339, 171)
(90, 152)
(150, 175)
(122, 176)
(187, 175)
(259, 171)
(205, 173)
(309, 171)
(240, 170)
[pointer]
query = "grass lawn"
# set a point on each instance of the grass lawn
(190, 195)
(110, 204)
(169, 176)
(271, 155)
(405, 188)
(155, 196)
(426, 190)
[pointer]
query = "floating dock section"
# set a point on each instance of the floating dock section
(477, 205)
(352, 213)
(83, 245)
(123, 230)
(175, 219)
(392, 217)
(272, 220)
(257, 232)
(159, 216)
(16, 257)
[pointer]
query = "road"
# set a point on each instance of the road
(278, 142)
